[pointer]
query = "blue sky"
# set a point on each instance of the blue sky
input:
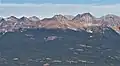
(63, 1)
(49, 8)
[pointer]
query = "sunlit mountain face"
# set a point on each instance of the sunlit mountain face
(80, 21)
(58, 47)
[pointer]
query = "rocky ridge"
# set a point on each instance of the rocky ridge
(81, 21)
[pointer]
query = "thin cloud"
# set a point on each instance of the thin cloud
(48, 10)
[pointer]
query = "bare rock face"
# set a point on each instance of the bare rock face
(60, 18)
(24, 19)
(85, 17)
(57, 21)
(111, 20)
(8, 24)
(81, 21)
(57, 18)
(12, 19)
(34, 19)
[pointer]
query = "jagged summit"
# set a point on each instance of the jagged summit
(87, 14)
(12, 18)
(34, 18)
(111, 19)
(55, 18)
(85, 17)
(59, 17)
(23, 19)
(110, 16)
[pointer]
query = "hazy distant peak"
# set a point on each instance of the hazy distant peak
(12, 18)
(110, 16)
(111, 19)
(59, 17)
(24, 19)
(34, 18)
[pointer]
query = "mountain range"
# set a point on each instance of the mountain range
(81, 21)
(62, 40)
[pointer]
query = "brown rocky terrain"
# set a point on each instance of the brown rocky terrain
(80, 21)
